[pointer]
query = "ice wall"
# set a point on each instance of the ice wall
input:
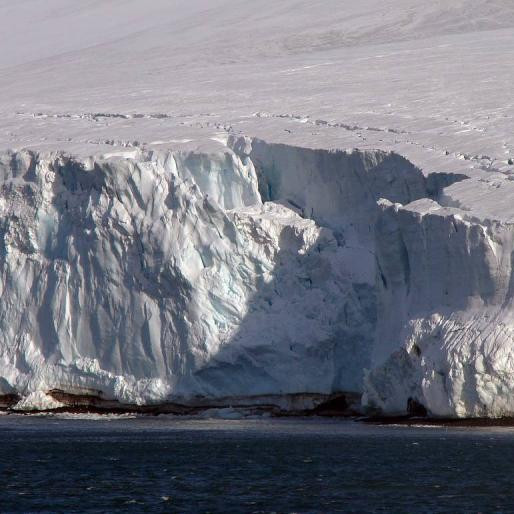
(445, 309)
(260, 269)
(165, 275)
(112, 269)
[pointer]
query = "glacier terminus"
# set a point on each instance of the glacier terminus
(209, 203)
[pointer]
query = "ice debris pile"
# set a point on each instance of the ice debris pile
(260, 269)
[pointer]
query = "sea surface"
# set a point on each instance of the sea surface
(165, 464)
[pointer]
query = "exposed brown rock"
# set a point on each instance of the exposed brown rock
(8, 400)
(299, 404)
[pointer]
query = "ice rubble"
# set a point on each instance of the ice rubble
(37, 401)
(263, 269)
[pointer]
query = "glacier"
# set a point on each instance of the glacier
(263, 269)
(204, 203)
(447, 298)
(169, 276)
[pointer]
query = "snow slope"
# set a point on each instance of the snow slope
(151, 251)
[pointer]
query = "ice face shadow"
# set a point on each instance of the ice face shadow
(303, 331)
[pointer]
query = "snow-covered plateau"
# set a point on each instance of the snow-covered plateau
(202, 201)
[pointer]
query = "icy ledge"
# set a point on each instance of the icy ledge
(255, 271)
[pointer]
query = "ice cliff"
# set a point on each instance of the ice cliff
(445, 325)
(254, 270)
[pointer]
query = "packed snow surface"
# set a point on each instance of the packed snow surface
(215, 198)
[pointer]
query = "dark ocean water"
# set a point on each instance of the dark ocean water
(168, 465)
